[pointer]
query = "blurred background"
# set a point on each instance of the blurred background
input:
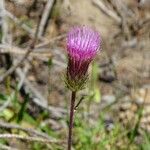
(114, 113)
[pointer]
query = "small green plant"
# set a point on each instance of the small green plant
(82, 46)
(94, 136)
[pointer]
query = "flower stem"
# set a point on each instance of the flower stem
(73, 97)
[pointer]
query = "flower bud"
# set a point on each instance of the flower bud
(83, 44)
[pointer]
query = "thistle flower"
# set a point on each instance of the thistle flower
(83, 44)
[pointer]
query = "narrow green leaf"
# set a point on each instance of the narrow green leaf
(22, 109)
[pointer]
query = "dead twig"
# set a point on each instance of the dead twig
(42, 54)
(27, 138)
(13, 68)
(23, 25)
(5, 147)
(107, 11)
(48, 42)
(9, 99)
(3, 21)
(45, 42)
(122, 10)
(45, 16)
(29, 131)
(6, 104)
(19, 51)
(40, 100)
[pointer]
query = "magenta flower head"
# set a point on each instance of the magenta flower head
(83, 44)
